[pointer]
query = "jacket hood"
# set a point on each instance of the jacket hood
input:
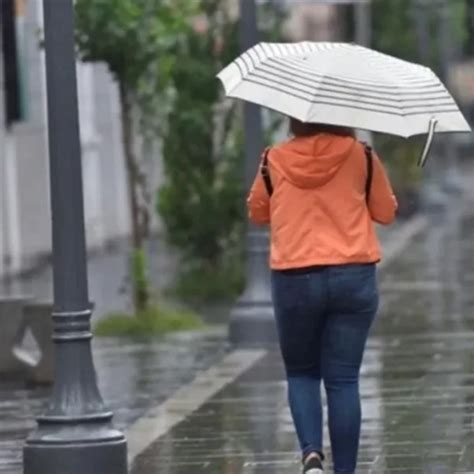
(309, 162)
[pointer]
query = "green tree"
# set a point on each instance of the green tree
(395, 30)
(201, 203)
(136, 39)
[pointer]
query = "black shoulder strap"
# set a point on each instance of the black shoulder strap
(266, 173)
(370, 171)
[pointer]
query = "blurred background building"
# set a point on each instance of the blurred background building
(25, 234)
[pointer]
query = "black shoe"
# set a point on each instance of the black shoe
(313, 466)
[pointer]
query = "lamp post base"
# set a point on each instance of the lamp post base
(251, 320)
(74, 449)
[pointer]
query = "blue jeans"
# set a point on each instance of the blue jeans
(324, 315)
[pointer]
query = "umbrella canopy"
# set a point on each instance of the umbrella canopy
(344, 84)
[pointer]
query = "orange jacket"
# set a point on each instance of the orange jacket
(318, 211)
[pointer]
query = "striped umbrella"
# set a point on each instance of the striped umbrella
(347, 85)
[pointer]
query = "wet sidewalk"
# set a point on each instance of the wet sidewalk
(417, 380)
(133, 375)
(417, 384)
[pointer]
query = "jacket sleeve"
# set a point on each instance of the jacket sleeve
(258, 202)
(382, 202)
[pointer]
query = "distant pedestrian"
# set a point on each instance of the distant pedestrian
(320, 192)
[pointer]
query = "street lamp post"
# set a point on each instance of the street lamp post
(74, 435)
(363, 23)
(252, 317)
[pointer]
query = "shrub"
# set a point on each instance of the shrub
(152, 321)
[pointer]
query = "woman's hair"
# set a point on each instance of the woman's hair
(306, 129)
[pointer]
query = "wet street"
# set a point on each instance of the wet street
(417, 382)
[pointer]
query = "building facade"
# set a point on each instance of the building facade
(25, 220)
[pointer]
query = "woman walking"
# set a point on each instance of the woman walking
(320, 192)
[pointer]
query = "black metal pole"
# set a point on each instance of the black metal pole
(252, 317)
(75, 435)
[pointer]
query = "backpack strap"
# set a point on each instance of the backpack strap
(370, 171)
(266, 173)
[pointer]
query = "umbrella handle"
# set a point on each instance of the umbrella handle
(429, 142)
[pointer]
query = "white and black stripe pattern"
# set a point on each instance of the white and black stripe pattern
(343, 84)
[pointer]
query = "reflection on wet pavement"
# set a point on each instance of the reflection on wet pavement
(417, 382)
